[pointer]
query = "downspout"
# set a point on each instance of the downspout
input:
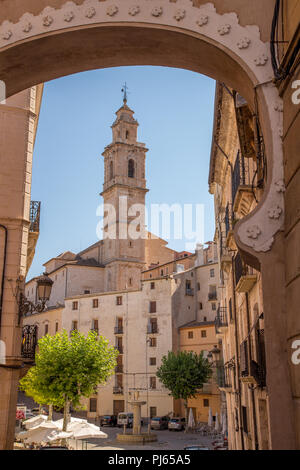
(3, 273)
(237, 355)
(250, 359)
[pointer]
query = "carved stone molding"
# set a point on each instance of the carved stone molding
(240, 42)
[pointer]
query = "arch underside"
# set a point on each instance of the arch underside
(209, 44)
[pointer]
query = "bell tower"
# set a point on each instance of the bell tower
(124, 192)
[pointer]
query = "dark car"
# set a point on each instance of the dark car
(108, 420)
(159, 422)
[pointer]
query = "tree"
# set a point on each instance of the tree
(67, 369)
(183, 374)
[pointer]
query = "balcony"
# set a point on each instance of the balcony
(212, 296)
(119, 369)
(251, 371)
(120, 349)
(224, 376)
(189, 291)
(34, 231)
(245, 277)
(152, 329)
(118, 390)
(229, 224)
(221, 321)
(225, 257)
(243, 184)
(29, 342)
(119, 330)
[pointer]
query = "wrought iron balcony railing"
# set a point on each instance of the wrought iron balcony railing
(221, 319)
(29, 341)
(152, 329)
(118, 390)
(225, 373)
(241, 269)
(243, 174)
(118, 330)
(189, 291)
(35, 211)
(228, 220)
(212, 296)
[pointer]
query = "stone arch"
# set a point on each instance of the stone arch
(179, 34)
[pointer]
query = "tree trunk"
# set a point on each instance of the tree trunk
(50, 414)
(66, 414)
(40, 409)
(186, 415)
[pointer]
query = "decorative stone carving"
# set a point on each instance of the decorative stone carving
(179, 14)
(112, 10)
(134, 10)
(69, 16)
(253, 232)
(262, 59)
(280, 186)
(157, 11)
(279, 106)
(275, 212)
(280, 131)
(244, 43)
(202, 20)
(7, 34)
(90, 12)
(224, 29)
(27, 27)
(47, 20)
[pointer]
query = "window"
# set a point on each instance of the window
(212, 293)
(190, 334)
(204, 318)
(130, 281)
(244, 419)
(203, 334)
(46, 328)
(152, 307)
(153, 383)
(152, 326)
(161, 272)
(214, 306)
(95, 303)
(212, 273)
(130, 168)
(119, 300)
(200, 306)
(152, 343)
(153, 411)
(111, 170)
(198, 285)
(75, 305)
(93, 405)
(95, 325)
(87, 291)
(152, 361)
(127, 134)
(152, 285)
(230, 310)
(205, 402)
(56, 327)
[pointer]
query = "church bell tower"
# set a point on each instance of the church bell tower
(124, 193)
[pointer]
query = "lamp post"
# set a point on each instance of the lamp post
(44, 287)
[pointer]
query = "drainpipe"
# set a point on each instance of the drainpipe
(3, 272)
(237, 355)
(250, 359)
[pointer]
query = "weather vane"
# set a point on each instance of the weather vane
(124, 90)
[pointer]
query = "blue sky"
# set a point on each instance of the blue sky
(175, 111)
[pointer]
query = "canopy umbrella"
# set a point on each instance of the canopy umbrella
(191, 421)
(87, 431)
(60, 422)
(210, 418)
(35, 421)
(217, 425)
(39, 433)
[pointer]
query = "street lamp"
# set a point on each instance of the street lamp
(44, 287)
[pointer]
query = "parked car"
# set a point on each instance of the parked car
(108, 420)
(36, 411)
(176, 424)
(125, 418)
(159, 422)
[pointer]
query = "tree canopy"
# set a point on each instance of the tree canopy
(67, 369)
(184, 373)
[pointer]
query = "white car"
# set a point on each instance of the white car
(176, 424)
(125, 419)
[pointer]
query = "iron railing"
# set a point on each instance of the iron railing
(221, 318)
(244, 359)
(29, 341)
(35, 211)
(228, 220)
(118, 330)
(152, 329)
(189, 291)
(224, 375)
(212, 295)
(243, 174)
(241, 269)
(118, 390)
(119, 369)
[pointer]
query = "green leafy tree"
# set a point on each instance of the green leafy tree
(183, 374)
(67, 369)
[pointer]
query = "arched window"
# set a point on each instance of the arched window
(111, 170)
(131, 168)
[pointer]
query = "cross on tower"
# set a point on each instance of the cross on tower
(124, 91)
